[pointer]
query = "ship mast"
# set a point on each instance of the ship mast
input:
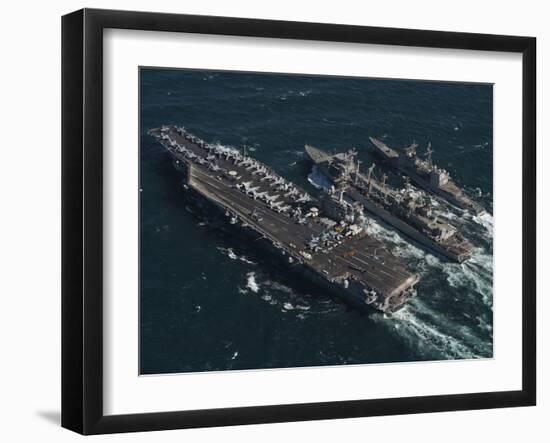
(429, 152)
(384, 177)
(369, 173)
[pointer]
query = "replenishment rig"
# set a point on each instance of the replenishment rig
(323, 239)
(426, 174)
(405, 209)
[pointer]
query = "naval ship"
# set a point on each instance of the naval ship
(405, 209)
(426, 174)
(323, 239)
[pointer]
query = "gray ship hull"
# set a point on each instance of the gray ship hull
(407, 229)
(323, 162)
(453, 194)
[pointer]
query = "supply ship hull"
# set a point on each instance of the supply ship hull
(426, 175)
(301, 231)
(393, 207)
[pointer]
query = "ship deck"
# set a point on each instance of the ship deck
(316, 155)
(384, 149)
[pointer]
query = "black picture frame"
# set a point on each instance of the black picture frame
(82, 220)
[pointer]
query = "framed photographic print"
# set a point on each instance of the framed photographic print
(270, 221)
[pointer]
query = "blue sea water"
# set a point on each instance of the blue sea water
(209, 302)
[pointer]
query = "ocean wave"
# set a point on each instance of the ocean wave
(482, 145)
(293, 153)
(279, 287)
(318, 180)
(486, 220)
(468, 335)
(251, 282)
(430, 337)
(476, 274)
(418, 323)
(291, 94)
(228, 252)
(483, 324)
(289, 301)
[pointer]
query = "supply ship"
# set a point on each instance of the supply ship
(405, 209)
(323, 239)
(426, 174)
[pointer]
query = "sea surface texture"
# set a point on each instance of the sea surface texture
(208, 302)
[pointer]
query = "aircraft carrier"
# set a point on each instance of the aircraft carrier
(323, 239)
(405, 209)
(426, 174)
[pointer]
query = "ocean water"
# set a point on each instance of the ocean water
(210, 303)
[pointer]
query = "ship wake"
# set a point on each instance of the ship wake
(428, 322)
(430, 333)
(318, 180)
(229, 252)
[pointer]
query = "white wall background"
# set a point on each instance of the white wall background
(30, 218)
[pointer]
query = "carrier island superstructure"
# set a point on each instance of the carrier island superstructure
(405, 209)
(323, 239)
(425, 173)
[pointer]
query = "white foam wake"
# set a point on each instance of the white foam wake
(423, 325)
(231, 254)
(318, 180)
(251, 282)
(486, 220)
(429, 337)
(476, 274)
(414, 322)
